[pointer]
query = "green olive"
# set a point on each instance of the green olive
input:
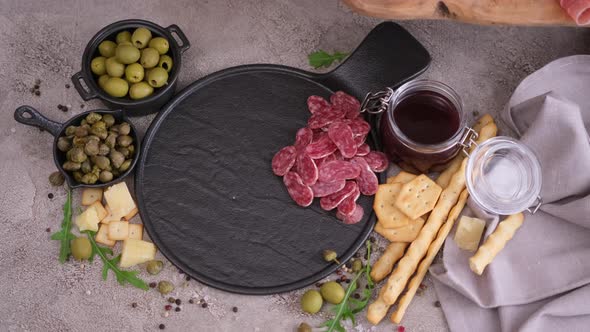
(141, 37)
(125, 43)
(91, 148)
(160, 44)
(109, 120)
(117, 158)
(77, 155)
(63, 144)
(111, 140)
(357, 265)
(81, 131)
(56, 179)
(77, 176)
(140, 90)
(81, 248)
(125, 165)
(311, 301)
(165, 287)
(123, 36)
(101, 162)
(165, 62)
(134, 73)
(158, 77)
(102, 80)
(85, 167)
(97, 65)
(332, 292)
(149, 57)
(154, 267)
(147, 72)
(93, 117)
(70, 130)
(116, 87)
(103, 149)
(124, 128)
(107, 48)
(105, 176)
(89, 178)
(127, 54)
(71, 166)
(114, 67)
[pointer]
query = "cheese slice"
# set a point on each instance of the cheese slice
(468, 234)
(88, 220)
(119, 200)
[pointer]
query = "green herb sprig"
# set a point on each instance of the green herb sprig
(349, 307)
(111, 264)
(64, 235)
(324, 59)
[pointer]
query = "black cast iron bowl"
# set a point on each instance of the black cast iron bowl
(31, 117)
(143, 106)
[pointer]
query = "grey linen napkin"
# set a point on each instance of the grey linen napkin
(541, 280)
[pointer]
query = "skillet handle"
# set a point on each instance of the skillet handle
(175, 30)
(388, 57)
(85, 93)
(31, 117)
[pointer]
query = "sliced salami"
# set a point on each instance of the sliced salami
(307, 169)
(359, 127)
(303, 137)
(354, 217)
(367, 180)
(324, 117)
(299, 192)
(360, 140)
(323, 189)
(363, 150)
(347, 206)
(342, 136)
(330, 157)
(317, 134)
(321, 148)
(377, 161)
(315, 103)
(331, 201)
(284, 160)
(338, 170)
(349, 104)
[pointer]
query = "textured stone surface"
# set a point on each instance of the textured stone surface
(45, 40)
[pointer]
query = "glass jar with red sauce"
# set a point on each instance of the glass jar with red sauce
(424, 124)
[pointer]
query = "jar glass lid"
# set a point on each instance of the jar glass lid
(503, 176)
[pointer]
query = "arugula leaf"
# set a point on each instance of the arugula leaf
(322, 58)
(349, 307)
(111, 264)
(64, 235)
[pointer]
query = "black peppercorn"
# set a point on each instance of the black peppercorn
(162, 326)
(50, 195)
(133, 305)
(235, 309)
(48, 229)
(204, 305)
(67, 86)
(37, 93)
(191, 301)
(177, 309)
(153, 285)
(178, 302)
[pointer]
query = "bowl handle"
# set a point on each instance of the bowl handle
(175, 31)
(31, 117)
(85, 93)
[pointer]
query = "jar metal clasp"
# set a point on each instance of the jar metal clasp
(468, 140)
(378, 102)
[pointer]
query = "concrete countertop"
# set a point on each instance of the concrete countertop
(45, 40)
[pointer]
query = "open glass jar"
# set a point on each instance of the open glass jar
(423, 124)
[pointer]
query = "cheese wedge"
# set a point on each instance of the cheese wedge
(119, 200)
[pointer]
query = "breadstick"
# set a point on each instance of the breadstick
(408, 264)
(485, 130)
(385, 263)
(495, 243)
(413, 285)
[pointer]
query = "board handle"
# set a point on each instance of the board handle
(388, 57)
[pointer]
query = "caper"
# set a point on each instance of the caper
(93, 137)
(108, 120)
(103, 149)
(330, 256)
(89, 178)
(96, 171)
(124, 128)
(311, 301)
(357, 265)
(93, 117)
(115, 172)
(154, 267)
(71, 166)
(99, 131)
(304, 327)
(117, 158)
(81, 248)
(131, 149)
(63, 144)
(56, 179)
(114, 129)
(77, 155)
(77, 176)
(70, 130)
(101, 162)
(86, 167)
(105, 176)
(81, 131)
(332, 292)
(165, 287)
(124, 140)
(124, 151)
(79, 142)
(91, 148)
(125, 165)
(99, 125)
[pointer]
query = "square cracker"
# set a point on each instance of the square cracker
(401, 177)
(407, 233)
(418, 197)
(388, 215)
